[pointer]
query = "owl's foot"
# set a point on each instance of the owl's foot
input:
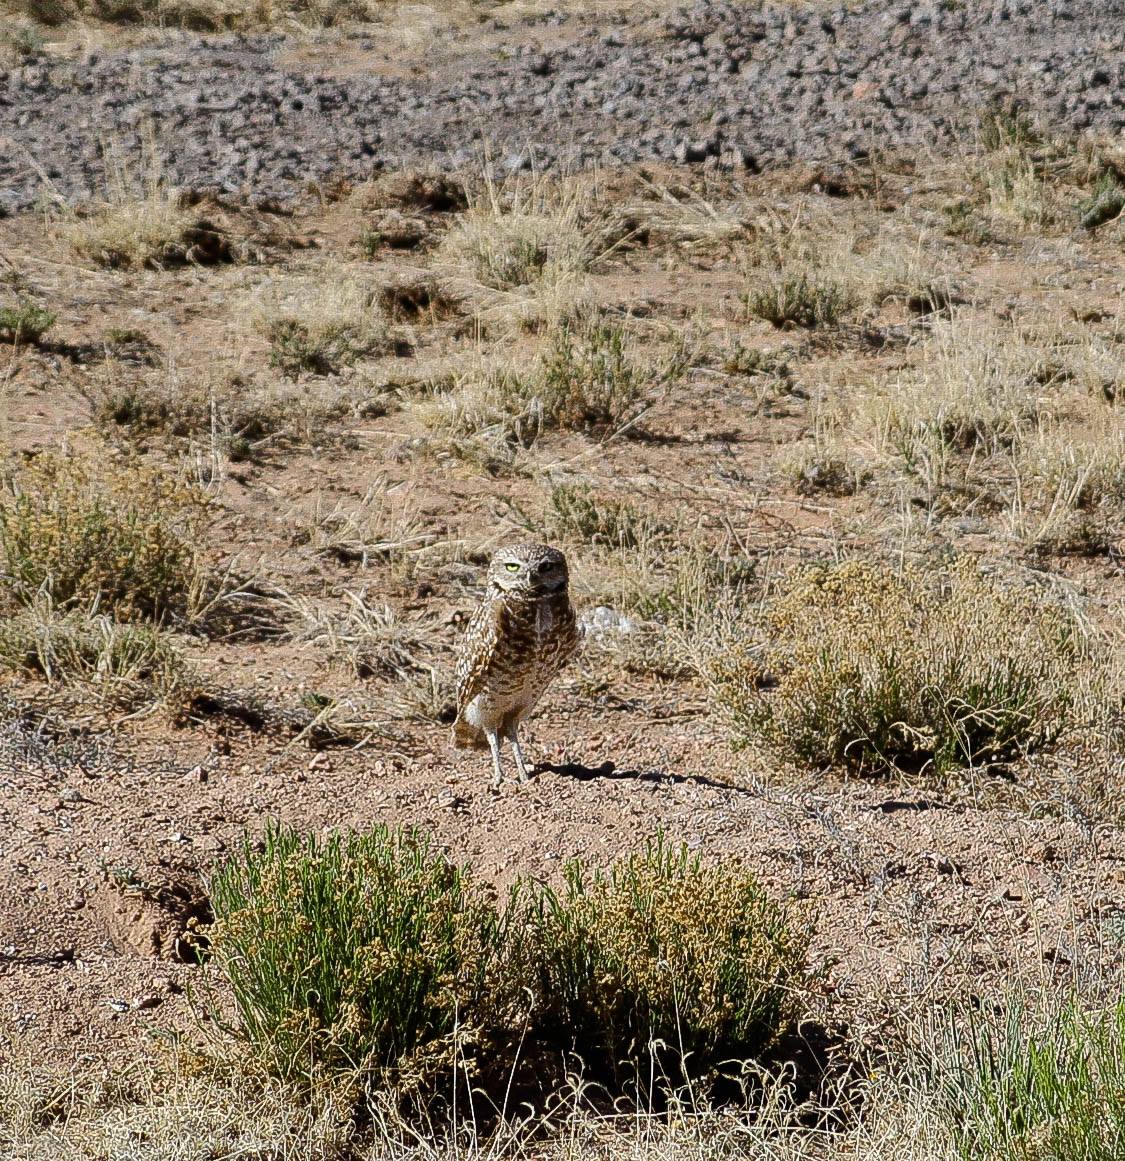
(497, 764)
(521, 765)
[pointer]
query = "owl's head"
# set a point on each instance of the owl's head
(533, 570)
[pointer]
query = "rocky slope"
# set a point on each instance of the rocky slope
(734, 84)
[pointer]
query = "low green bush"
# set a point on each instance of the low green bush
(661, 970)
(358, 953)
(371, 955)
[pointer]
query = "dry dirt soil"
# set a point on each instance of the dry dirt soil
(917, 886)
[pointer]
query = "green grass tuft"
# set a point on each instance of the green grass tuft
(1024, 1088)
(799, 301)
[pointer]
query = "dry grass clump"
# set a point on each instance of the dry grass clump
(91, 531)
(375, 642)
(140, 224)
(591, 378)
(819, 266)
(979, 389)
(1070, 484)
(224, 417)
(877, 669)
(124, 665)
(321, 325)
(49, 1112)
(522, 233)
(521, 253)
(385, 526)
(372, 955)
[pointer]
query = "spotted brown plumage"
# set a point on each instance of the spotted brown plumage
(520, 635)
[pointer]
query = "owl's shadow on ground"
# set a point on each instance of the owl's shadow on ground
(582, 773)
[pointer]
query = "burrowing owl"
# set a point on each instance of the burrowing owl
(519, 637)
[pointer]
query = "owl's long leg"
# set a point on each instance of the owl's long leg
(497, 765)
(521, 765)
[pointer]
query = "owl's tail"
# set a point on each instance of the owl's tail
(466, 737)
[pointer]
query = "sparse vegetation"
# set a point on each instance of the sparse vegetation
(93, 531)
(800, 302)
(876, 670)
(836, 457)
(590, 378)
(26, 322)
(320, 328)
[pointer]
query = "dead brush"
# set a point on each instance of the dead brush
(520, 255)
(125, 665)
(384, 527)
(375, 643)
(875, 669)
(90, 529)
(320, 325)
(141, 223)
(591, 378)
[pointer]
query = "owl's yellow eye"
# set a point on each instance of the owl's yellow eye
(512, 566)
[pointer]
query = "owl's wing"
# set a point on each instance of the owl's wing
(478, 650)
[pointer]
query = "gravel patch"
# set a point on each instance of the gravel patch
(729, 84)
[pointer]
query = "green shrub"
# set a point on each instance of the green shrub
(799, 301)
(876, 669)
(372, 956)
(366, 952)
(24, 323)
(662, 969)
(1035, 1086)
(577, 512)
(590, 378)
(90, 531)
(1106, 202)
